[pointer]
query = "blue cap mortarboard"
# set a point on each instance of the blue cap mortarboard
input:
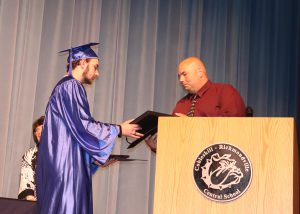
(80, 52)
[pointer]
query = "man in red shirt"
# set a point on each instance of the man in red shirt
(204, 98)
(209, 99)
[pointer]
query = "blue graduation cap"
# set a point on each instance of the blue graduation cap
(80, 52)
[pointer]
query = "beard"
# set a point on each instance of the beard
(85, 79)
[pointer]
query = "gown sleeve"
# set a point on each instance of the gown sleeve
(95, 137)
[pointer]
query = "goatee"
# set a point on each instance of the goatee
(85, 79)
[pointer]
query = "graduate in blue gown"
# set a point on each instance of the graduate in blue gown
(72, 141)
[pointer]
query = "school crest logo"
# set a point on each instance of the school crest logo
(222, 172)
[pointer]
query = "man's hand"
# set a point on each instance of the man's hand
(130, 130)
(180, 115)
(151, 141)
(30, 198)
(109, 162)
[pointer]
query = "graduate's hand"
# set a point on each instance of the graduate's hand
(151, 141)
(131, 130)
(180, 115)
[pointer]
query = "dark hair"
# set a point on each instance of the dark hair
(35, 124)
(76, 63)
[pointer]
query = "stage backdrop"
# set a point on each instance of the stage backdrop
(252, 44)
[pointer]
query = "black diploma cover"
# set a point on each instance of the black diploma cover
(148, 121)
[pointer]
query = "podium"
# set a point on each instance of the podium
(256, 158)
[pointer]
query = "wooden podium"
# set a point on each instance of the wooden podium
(269, 143)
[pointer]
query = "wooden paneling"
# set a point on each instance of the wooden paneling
(268, 143)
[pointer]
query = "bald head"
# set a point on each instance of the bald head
(194, 61)
(192, 74)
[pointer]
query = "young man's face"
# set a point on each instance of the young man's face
(91, 72)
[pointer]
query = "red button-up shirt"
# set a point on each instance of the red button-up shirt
(214, 100)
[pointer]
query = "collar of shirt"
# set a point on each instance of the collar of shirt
(202, 90)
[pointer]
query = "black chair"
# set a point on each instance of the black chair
(249, 111)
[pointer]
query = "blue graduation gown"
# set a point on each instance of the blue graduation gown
(71, 141)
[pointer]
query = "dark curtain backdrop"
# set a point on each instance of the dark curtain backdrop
(252, 44)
